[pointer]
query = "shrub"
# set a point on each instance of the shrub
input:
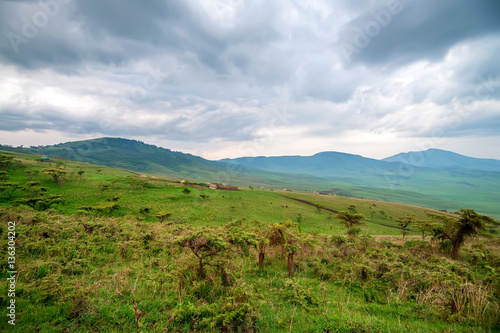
(163, 215)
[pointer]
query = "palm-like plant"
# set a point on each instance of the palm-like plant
(456, 231)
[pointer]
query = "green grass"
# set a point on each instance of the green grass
(82, 271)
(219, 208)
(349, 175)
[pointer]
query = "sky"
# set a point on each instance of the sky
(231, 78)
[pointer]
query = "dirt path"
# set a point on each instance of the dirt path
(336, 212)
(310, 204)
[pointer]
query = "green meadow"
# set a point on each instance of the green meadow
(100, 249)
(336, 173)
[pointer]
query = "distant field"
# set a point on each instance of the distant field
(217, 208)
(336, 173)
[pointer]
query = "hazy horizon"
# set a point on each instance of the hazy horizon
(326, 151)
(232, 78)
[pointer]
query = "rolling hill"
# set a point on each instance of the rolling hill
(126, 154)
(394, 180)
(127, 258)
(325, 164)
(137, 156)
(327, 173)
(446, 160)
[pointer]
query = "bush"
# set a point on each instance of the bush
(163, 215)
(295, 292)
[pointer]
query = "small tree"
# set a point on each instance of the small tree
(137, 183)
(404, 222)
(186, 191)
(291, 249)
(285, 235)
(102, 188)
(31, 173)
(352, 209)
(17, 165)
(262, 244)
(80, 173)
(3, 175)
(425, 227)
(163, 215)
(9, 188)
(42, 203)
(349, 220)
(34, 190)
(56, 173)
(5, 162)
(206, 247)
(455, 231)
(105, 207)
(241, 240)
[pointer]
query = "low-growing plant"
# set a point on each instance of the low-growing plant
(102, 188)
(295, 292)
(186, 191)
(162, 216)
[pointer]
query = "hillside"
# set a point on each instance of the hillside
(325, 164)
(391, 181)
(141, 157)
(329, 173)
(134, 191)
(127, 154)
(446, 160)
(111, 250)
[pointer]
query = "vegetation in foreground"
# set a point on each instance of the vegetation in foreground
(99, 250)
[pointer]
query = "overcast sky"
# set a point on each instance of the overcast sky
(229, 78)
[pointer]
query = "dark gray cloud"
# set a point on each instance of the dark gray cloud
(416, 30)
(222, 70)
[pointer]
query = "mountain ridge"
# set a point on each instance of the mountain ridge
(445, 160)
(320, 164)
(325, 172)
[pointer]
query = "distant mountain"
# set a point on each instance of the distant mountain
(394, 179)
(138, 156)
(445, 160)
(325, 164)
(443, 181)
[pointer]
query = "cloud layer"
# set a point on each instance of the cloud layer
(225, 78)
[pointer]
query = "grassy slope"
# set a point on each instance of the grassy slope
(351, 174)
(219, 208)
(83, 272)
(372, 179)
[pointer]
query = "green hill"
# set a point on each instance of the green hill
(447, 160)
(127, 154)
(111, 250)
(392, 181)
(328, 173)
(325, 164)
